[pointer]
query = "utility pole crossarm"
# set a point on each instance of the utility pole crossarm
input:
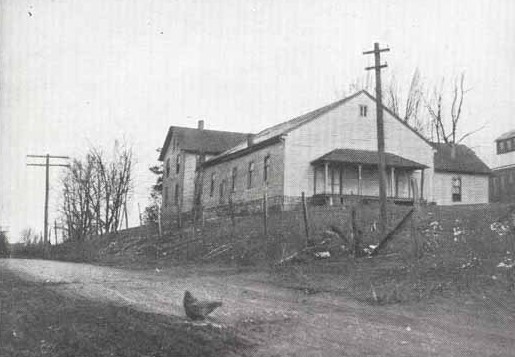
(374, 51)
(47, 166)
(50, 156)
(374, 67)
(62, 165)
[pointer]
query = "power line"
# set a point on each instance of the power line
(47, 166)
(380, 133)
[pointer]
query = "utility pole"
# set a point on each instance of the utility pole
(380, 133)
(47, 165)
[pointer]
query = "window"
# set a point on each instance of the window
(178, 164)
(168, 167)
(456, 189)
(363, 110)
(234, 176)
(251, 172)
(166, 196)
(508, 145)
(266, 169)
(176, 194)
(222, 191)
(213, 182)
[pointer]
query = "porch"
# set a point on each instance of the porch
(344, 175)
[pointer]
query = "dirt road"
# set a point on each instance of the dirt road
(285, 322)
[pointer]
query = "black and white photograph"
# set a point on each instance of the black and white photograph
(257, 178)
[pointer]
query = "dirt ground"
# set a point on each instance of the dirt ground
(286, 322)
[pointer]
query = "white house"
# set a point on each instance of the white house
(330, 154)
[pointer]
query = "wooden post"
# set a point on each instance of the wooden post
(305, 214)
(392, 182)
(356, 241)
(359, 180)
(47, 166)
(159, 221)
(265, 214)
(422, 185)
(380, 134)
(326, 176)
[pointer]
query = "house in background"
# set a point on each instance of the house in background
(183, 150)
(502, 183)
(460, 176)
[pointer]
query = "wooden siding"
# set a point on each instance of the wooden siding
(505, 159)
(242, 193)
(502, 185)
(343, 127)
(188, 182)
(474, 188)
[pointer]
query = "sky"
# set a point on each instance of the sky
(76, 74)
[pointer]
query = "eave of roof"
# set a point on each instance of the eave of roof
(367, 157)
(508, 135)
(243, 152)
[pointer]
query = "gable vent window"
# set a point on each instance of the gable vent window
(456, 189)
(363, 110)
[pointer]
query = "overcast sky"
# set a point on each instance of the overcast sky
(80, 73)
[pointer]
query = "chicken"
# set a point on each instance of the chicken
(198, 310)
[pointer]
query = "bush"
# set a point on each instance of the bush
(4, 245)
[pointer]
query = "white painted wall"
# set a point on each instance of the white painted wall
(474, 188)
(504, 160)
(343, 127)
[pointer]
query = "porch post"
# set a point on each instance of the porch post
(359, 180)
(326, 175)
(341, 180)
(392, 181)
(314, 180)
(422, 185)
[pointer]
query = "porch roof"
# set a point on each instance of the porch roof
(367, 157)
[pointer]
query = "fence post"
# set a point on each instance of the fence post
(265, 214)
(305, 214)
(356, 239)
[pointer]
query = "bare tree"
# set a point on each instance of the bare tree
(28, 236)
(95, 192)
(445, 128)
(409, 112)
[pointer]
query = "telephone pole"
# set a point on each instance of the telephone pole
(380, 133)
(47, 165)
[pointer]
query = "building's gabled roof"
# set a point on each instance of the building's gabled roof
(287, 126)
(458, 158)
(507, 135)
(201, 140)
(367, 157)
